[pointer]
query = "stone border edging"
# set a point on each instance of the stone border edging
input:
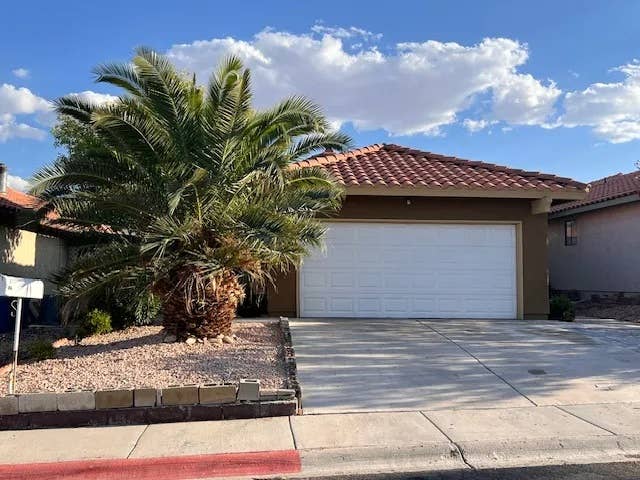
(290, 361)
(145, 405)
(147, 415)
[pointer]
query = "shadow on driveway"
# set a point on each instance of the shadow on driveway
(382, 364)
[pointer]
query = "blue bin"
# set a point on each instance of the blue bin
(6, 321)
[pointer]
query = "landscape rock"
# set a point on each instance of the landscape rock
(62, 342)
(180, 395)
(249, 390)
(228, 339)
(211, 393)
(9, 405)
(190, 341)
(114, 398)
(170, 338)
(37, 402)
(69, 401)
(145, 397)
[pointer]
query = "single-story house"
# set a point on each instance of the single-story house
(30, 250)
(422, 235)
(594, 243)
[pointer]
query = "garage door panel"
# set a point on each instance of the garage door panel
(394, 256)
(370, 306)
(338, 236)
(484, 308)
(412, 270)
(314, 305)
(396, 282)
(315, 279)
(456, 280)
(338, 306)
(423, 281)
(371, 280)
(502, 237)
(425, 237)
(395, 305)
(424, 306)
(340, 254)
(448, 305)
(342, 279)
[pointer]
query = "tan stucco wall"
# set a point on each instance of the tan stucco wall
(27, 254)
(282, 298)
(607, 256)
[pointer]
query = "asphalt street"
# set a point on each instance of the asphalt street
(598, 471)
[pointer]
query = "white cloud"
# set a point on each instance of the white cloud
(612, 110)
(523, 100)
(10, 128)
(14, 100)
(17, 183)
(95, 97)
(412, 88)
(476, 125)
(21, 72)
(49, 117)
(341, 32)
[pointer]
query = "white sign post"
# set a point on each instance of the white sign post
(19, 288)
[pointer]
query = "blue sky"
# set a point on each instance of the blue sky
(550, 86)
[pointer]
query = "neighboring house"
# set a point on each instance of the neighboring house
(594, 243)
(422, 235)
(33, 251)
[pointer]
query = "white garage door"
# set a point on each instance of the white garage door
(412, 271)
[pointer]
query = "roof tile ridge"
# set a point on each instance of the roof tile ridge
(328, 158)
(504, 169)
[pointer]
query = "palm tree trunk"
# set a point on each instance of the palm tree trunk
(213, 319)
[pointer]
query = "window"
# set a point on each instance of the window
(570, 233)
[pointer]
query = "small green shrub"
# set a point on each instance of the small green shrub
(128, 309)
(40, 349)
(96, 322)
(561, 308)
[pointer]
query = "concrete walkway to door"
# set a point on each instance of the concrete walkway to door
(347, 365)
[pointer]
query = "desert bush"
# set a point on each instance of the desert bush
(561, 308)
(40, 349)
(96, 322)
(127, 309)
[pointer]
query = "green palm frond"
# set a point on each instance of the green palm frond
(188, 179)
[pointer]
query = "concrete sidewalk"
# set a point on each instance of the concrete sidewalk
(335, 443)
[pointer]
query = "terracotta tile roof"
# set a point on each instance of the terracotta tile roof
(16, 199)
(608, 188)
(392, 165)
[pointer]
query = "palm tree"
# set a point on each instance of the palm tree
(192, 188)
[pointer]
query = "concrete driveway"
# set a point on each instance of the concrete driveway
(380, 364)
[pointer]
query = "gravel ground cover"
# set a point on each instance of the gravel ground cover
(629, 313)
(138, 357)
(27, 336)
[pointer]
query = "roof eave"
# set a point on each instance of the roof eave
(598, 205)
(420, 191)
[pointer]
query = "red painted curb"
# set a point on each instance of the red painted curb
(163, 468)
